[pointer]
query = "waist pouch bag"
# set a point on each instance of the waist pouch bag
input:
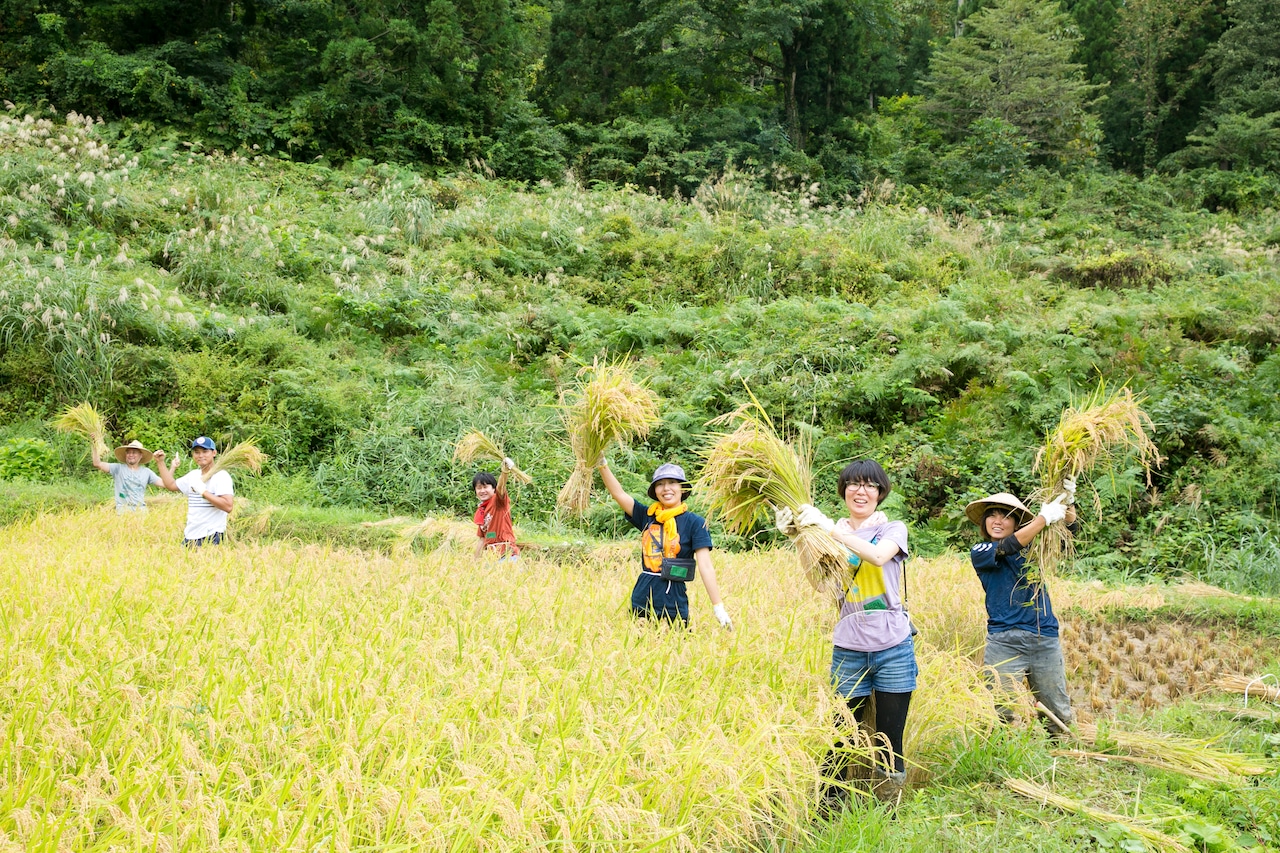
(676, 569)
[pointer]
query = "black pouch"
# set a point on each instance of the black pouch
(675, 569)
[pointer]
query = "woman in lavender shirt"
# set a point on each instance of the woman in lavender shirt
(873, 649)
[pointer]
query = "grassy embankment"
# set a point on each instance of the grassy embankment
(268, 695)
(357, 321)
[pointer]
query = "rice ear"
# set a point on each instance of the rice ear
(1095, 432)
(751, 471)
(84, 420)
(608, 406)
(244, 455)
(476, 445)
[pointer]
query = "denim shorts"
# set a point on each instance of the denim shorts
(893, 670)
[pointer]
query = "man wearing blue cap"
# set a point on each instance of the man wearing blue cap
(209, 496)
(675, 545)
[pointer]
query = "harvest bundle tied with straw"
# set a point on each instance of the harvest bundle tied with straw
(1153, 838)
(1190, 757)
(84, 420)
(476, 445)
(750, 472)
(610, 406)
(1251, 688)
(1100, 430)
(244, 455)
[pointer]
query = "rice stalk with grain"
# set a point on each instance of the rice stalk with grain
(244, 455)
(750, 472)
(476, 445)
(1188, 756)
(1153, 838)
(1251, 688)
(1099, 431)
(608, 407)
(84, 420)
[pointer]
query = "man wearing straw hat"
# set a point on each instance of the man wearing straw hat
(210, 496)
(1022, 632)
(129, 477)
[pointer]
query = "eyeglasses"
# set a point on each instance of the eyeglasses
(866, 487)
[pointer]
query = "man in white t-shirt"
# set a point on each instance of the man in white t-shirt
(209, 497)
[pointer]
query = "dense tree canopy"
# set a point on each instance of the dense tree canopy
(1013, 64)
(669, 93)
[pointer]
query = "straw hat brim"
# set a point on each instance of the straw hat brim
(134, 445)
(977, 509)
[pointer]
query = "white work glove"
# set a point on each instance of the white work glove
(811, 516)
(1053, 511)
(602, 462)
(1069, 490)
(508, 464)
(785, 521)
(876, 518)
(722, 616)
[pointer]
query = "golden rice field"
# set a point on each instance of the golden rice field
(277, 697)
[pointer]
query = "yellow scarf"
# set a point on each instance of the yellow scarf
(652, 556)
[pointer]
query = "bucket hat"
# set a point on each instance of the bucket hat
(204, 442)
(668, 471)
(977, 509)
(134, 445)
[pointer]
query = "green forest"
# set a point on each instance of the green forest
(914, 230)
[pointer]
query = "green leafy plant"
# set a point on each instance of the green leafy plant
(28, 459)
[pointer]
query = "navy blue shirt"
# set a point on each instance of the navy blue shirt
(691, 529)
(1013, 603)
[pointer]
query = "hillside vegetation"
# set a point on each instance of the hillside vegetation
(356, 320)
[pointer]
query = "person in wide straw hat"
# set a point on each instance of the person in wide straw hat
(675, 546)
(1022, 632)
(129, 476)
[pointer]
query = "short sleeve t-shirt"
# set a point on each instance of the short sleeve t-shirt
(203, 518)
(691, 529)
(494, 525)
(871, 614)
(130, 485)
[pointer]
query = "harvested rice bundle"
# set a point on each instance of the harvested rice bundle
(244, 455)
(750, 472)
(1101, 429)
(1153, 838)
(1251, 688)
(1190, 757)
(84, 420)
(476, 445)
(611, 406)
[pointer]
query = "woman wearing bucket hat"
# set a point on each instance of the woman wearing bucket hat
(129, 476)
(1022, 632)
(675, 546)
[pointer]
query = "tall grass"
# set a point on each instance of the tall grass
(276, 698)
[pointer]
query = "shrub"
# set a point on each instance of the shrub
(27, 459)
(1118, 271)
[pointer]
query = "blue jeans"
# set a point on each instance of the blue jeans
(1017, 655)
(211, 539)
(892, 670)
